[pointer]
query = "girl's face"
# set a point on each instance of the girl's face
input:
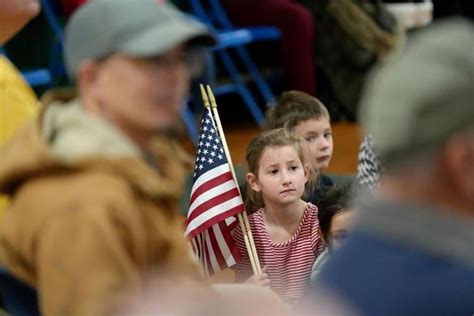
(340, 226)
(281, 176)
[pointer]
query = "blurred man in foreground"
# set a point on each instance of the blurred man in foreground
(95, 182)
(412, 250)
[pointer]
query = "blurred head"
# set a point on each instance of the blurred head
(14, 14)
(414, 104)
(133, 61)
(280, 169)
(335, 214)
(308, 118)
(419, 110)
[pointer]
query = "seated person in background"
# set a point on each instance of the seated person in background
(307, 117)
(295, 23)
(352, 37)
(95, 182)
(285, 228)
(69, 6)
(335, 215)
(17, 101)
(369, 166)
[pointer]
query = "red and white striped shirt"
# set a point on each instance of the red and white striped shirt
(289, 264)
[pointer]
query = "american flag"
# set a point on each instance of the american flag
(214, 201)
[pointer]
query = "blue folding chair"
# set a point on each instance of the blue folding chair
(18, 297)
(45, 76)
(34, 77)
(230, 37)
(256, 33)
(38, 77)
(53, 17)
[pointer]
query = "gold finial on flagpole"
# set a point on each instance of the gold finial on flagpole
(204, 96)
(211, 97)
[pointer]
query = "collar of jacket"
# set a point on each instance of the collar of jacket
(65, 138)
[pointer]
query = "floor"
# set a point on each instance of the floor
(346, 144)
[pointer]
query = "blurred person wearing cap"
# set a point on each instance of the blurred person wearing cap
(411, 252)
(95, 182)
(18, 102)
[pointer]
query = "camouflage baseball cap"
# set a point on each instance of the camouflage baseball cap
(419, 100)
(133, 27)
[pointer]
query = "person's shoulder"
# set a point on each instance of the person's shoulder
(91, 181)
(311, 212)
(11, 79)
(18, 100)
(257, 224)
(325, 182)
(81, 190)
(318, 264)
(7, 71)
(58, 200)
(256, 215)
(376, 260)
(311, 207)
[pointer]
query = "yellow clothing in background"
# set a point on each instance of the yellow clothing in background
(17, 103)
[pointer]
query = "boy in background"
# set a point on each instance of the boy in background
(308, 118)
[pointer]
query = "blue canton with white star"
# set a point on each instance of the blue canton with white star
(210, 152)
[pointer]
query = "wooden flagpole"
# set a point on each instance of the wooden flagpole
(242, 217)
(244, 229)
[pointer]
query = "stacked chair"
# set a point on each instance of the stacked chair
(230, 38)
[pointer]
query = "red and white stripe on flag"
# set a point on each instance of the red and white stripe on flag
(215, 248)
(214, 201)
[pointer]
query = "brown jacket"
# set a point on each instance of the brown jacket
(88, 215)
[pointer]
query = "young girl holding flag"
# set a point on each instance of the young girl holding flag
(284, 227)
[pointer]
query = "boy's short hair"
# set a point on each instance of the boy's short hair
(293, 108)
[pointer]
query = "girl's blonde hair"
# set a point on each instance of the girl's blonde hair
(277, 138)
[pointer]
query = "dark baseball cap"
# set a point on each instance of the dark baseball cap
(139, 28)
